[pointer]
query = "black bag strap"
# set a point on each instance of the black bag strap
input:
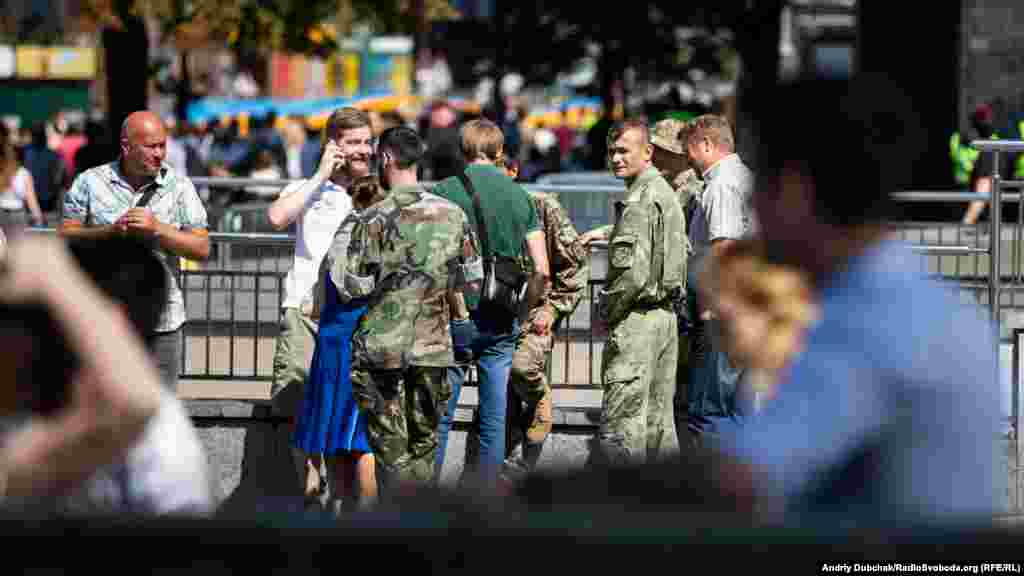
(151, 191)
(480, 224)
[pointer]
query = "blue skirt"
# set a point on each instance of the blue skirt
(329, 420)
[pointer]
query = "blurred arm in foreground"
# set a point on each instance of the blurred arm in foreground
(113, 396)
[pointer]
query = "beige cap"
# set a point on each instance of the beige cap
(666, 135)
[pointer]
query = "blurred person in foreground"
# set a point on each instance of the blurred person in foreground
(88, 426)
(407, 254)
(142, 196)
(891, 411)
(765, 310)
(317, 206)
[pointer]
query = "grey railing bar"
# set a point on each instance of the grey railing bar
(231, 182)
(912, 196)
(941, 250)
(998, 145)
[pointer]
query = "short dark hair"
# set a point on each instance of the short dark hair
(856, 139)
(623, 126)
(404, 144)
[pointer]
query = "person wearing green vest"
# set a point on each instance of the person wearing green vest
(978, 166)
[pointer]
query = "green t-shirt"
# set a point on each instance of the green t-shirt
(507, 208)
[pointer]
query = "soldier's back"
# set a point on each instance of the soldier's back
(413, 236)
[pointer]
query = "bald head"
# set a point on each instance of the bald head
(143, 144)
(142, 121)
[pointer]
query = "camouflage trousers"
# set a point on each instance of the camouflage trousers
(529, 384)
(403, 408)
(638, 370)
(529, 379)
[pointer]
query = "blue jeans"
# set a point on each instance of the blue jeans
(713, 405)
(491, 342)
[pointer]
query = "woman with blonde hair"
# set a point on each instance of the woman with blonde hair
(18, 199)
(764, 310)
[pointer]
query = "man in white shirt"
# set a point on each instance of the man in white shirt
(722, 213)
(317, 206)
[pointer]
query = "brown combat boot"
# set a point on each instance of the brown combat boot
(540, 424)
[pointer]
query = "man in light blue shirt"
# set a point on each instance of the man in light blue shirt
(892, 409)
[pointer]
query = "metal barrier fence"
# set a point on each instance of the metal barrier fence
(233, 300)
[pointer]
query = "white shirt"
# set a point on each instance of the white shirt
(323, 213)
(724, 208)
(166, 472)
(13, 198)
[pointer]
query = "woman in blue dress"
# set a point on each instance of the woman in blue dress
(329, 422)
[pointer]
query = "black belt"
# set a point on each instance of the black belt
(647, 307)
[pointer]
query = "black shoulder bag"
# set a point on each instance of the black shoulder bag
(504, 284)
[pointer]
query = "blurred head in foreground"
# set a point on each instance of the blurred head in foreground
(36, 362)
(818, 199)
(891, 409)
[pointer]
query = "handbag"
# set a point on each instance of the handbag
(504, 283)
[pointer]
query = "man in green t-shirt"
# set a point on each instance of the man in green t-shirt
(485, 336)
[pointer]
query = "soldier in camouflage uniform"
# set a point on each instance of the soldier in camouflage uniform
(570, 271)
(670, 158)
(646, 276)
(406, 254)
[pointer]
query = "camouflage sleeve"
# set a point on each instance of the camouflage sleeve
(570, 266)
(336, 260)
(362, 262)
(629, 262)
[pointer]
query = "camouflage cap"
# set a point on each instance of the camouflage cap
(665, 135)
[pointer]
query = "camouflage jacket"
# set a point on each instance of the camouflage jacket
(567, 257)
(405, 254)
(646, 251)
(688, 186)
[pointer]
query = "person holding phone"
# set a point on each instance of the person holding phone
(317, 206)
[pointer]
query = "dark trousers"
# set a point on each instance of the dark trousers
(166, 350)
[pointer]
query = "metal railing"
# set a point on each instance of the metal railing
(233, 300)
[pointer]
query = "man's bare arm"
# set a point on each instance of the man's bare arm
(191, 244)
(74, 229)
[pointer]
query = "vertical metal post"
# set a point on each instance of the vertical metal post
(995, 243)
(995, 279)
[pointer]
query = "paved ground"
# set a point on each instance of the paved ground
(251, 461)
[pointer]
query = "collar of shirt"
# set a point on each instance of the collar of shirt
(643, 178)
(163, 177)
(715, 168)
